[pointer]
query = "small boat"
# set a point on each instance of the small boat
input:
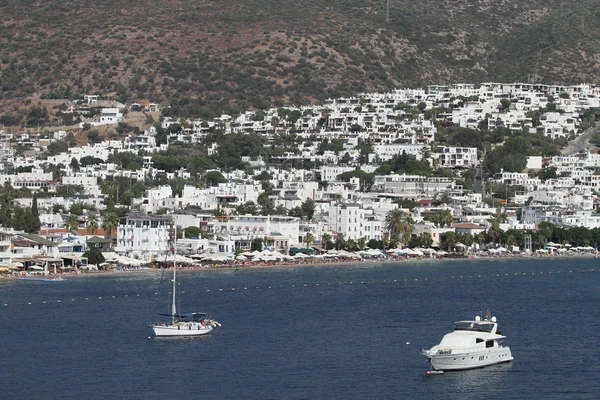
(48, 280)
(182, 324)
(472, 344)
(433, 372)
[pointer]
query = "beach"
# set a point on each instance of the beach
(304, 262)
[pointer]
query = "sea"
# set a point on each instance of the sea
(349, 331)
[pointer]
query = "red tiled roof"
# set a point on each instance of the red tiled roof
(468, 226)
(81, 231)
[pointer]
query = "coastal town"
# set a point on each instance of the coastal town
(443, 171)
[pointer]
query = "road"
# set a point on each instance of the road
(582, 142)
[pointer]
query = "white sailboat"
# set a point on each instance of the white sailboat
(182, 324)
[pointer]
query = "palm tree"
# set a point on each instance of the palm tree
(448, 240)
(361, 243)
(73, 222)
(92, 223)
(426, 239)
(340, 241)
(325, 241)
(399, 225)
(308, 239)
(110, 222)
(445, 217)
(467, 239)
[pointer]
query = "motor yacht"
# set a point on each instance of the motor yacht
(472, 344)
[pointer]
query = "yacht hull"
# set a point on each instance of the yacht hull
(189, 329)
(462, 361)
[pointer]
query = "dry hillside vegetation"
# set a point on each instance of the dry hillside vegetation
(207, 57)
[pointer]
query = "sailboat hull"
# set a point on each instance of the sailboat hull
(182, 329)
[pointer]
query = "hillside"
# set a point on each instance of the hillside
(207, 57)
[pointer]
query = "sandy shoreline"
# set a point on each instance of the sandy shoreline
(304, 264)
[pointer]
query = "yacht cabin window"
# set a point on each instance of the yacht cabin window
(473, 326)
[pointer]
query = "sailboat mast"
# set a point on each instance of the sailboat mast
(174, 250)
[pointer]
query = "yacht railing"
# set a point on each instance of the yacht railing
(465, 350)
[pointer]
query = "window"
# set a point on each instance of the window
(489, 343)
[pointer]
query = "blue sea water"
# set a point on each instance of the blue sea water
(319, 332)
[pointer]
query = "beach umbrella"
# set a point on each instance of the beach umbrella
(277, 254)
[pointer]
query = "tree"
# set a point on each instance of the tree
(256, 245)
(73, 222)
(94, 136)
(6, 218)
(267, 207)
(94, 256)
(425, 239)
(547, 173)
(356, 128)
(441, 218)
(76, 208)
(74, 164)
(280, 210)
(308, 208)
(193, 231)
(340, 241)
(399, 225)
(448, 240)
(361, 243)
(308, 239)
(34, 224)
(247, 208)
(213, 178)
(92, 223)
(505, 104)
(110, 222)
(326, 242)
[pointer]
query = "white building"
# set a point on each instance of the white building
(110, 116)
(458, 157)
(281, 231)
(143, 235)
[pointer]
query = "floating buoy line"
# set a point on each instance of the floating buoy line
(78, 299)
